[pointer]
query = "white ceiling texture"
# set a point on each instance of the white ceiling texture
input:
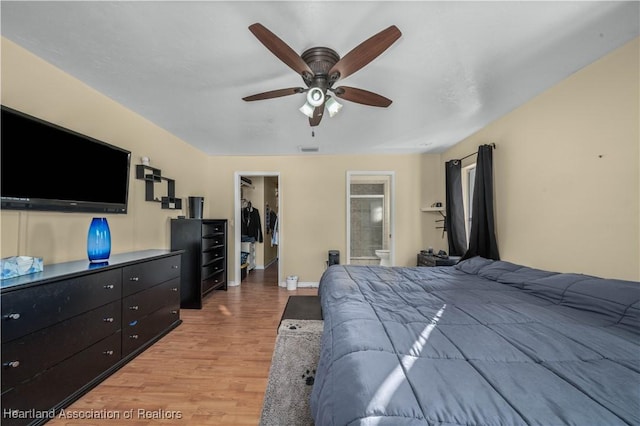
(187, 65)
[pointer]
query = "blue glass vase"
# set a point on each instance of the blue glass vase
(99, 240)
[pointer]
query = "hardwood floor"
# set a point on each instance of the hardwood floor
(211, 370)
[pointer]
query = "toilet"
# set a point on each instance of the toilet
(384, 256)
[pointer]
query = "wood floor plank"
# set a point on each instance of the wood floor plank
(211, 370)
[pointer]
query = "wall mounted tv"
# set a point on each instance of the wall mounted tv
(50, 168)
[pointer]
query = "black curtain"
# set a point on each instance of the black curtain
(482, 238)
(454, 220)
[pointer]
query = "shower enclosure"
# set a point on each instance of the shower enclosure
(368, 216)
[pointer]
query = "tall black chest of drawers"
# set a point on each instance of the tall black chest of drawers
(66, 329)
(204, 262)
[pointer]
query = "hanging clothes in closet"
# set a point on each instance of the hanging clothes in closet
(251, 226)
(271, 225)
(270, 218)
(267, 218)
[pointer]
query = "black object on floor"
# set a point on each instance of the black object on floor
(302, 308)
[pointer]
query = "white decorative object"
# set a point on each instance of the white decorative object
(20, 265)
(292, 282)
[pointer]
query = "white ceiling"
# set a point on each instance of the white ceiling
(187, 65)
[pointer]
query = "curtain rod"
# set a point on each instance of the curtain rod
(493, 145)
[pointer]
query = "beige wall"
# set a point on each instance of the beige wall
(576, 212)
(566, 172)
(312, 188)
(312, 192)
(37, 88)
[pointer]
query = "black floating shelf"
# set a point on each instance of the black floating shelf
(171, 203)
(151, 176)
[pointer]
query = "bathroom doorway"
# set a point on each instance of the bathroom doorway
(257, 235)
(370, 226)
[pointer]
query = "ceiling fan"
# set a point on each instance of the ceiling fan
(321, 67)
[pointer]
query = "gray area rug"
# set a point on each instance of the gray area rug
(292, 373)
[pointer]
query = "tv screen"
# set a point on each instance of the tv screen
(47, 167)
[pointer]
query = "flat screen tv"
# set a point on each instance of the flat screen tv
(47, 167)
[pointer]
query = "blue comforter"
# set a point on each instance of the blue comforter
(481, 343)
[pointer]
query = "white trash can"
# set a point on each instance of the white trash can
(292, 282)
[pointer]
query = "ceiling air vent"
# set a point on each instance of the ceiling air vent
(309, 148)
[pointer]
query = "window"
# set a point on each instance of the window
(468, 180)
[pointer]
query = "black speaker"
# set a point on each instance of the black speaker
(334, 257)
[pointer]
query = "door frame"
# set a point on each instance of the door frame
(237, 222)
(392, 207)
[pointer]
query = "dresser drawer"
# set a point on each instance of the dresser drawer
(148, 274)
(141, 331)
(27, 310)
(213, 228)
(147, 301)
(215, 280)
(56, 384)
(24, 357)
(214, 254)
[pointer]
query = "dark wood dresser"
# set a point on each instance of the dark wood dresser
(67, 328)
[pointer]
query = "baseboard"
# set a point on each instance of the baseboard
(271, 262)
(309, 284)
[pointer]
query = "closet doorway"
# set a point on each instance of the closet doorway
(257, 215)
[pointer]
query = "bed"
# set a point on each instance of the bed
(479, 343)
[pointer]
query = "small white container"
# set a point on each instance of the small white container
(292, 282)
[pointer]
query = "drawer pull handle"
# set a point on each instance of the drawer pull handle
(174, 289)
(174, 266)
(12, 364)
(174, 312)
(109, 286)
(134, 307)
(13, 316)
(108, 319)
(133, 336)
(134, 279)
(108, 353)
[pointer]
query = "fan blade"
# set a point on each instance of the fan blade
(274, 94)
(364, 53)
(317, 116)
(279, 48)
(361, 96)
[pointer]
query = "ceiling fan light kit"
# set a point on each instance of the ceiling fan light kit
(315, 97)
(321, 67)
(332, 106)
(307, 110)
